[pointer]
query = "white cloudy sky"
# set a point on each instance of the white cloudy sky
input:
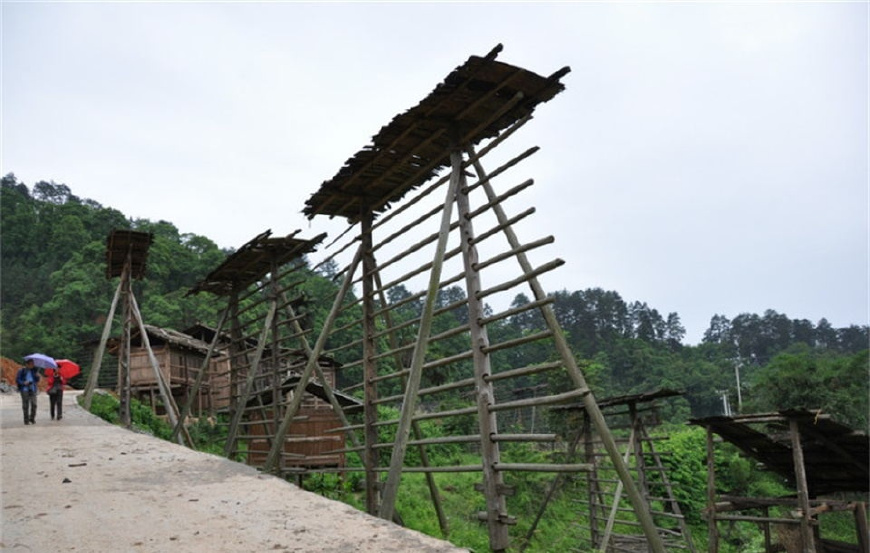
(707, 158)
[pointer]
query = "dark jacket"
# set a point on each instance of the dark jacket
(26, 379)
(52, 377)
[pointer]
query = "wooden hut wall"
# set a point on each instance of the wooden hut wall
(219, 383)
(313, 443)
(141, 372)
(179, 367)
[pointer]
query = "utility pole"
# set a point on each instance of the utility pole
(737, 365)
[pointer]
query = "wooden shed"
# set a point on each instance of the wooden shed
(827, 463)
(180, 358)
(314, 439)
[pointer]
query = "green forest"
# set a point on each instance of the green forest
(55, 297)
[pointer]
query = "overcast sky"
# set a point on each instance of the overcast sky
(706, 158)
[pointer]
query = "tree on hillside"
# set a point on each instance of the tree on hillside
(749, 336)
(806, 379)
(55, 294)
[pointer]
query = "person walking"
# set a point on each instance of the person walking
(54, 387)
(26, 380)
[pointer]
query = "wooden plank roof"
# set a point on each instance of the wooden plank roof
(158, 336)
(119, 243)
(255, 260)
(476, 101)
(836, 458)
(264, 396)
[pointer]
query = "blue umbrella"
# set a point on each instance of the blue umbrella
(41, 360)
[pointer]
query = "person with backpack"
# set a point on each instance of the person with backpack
(54, 387)
(26, 380)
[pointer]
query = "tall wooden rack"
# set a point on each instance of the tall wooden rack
(126, 257)
(606, 512)
(467, 239)
(423, 213)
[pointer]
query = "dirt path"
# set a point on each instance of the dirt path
(82, 484)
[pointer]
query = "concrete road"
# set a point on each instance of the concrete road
(81, 484)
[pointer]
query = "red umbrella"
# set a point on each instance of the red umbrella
(67, 368)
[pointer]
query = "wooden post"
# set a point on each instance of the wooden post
(415, 426)
(391, 486)
(277, 398)
(617, 495)
(860, 512)
(165, 389)
(640, 506)
(101, 350)
(313, 360)
(200, 376)
(249, 382)
(493, 481)
(803, 497)
(235, 349)
(712, 528)
(124, 350)
(765, 511)
(642, 477)
(370, 367)
(593, 487)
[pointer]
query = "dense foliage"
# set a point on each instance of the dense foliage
(55, 294)
(55, 297)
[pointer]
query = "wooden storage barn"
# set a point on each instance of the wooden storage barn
(314, 440)
(180, 359)
(258, 384)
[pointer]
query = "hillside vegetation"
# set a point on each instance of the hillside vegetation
(55, 297)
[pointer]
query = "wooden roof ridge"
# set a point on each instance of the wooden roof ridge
(254, 260)
(476, 101)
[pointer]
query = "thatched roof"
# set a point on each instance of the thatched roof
(158, 336)
(836, 457)
(313, 387)
(119, 244)
(478, 100)
(255, 260)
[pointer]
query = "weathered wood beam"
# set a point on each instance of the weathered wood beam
(317, 350)
(637, 501)
(391, 486)
(165, 391)
(800, 475)
(249, 381)
(101, 350)
(200, 376)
